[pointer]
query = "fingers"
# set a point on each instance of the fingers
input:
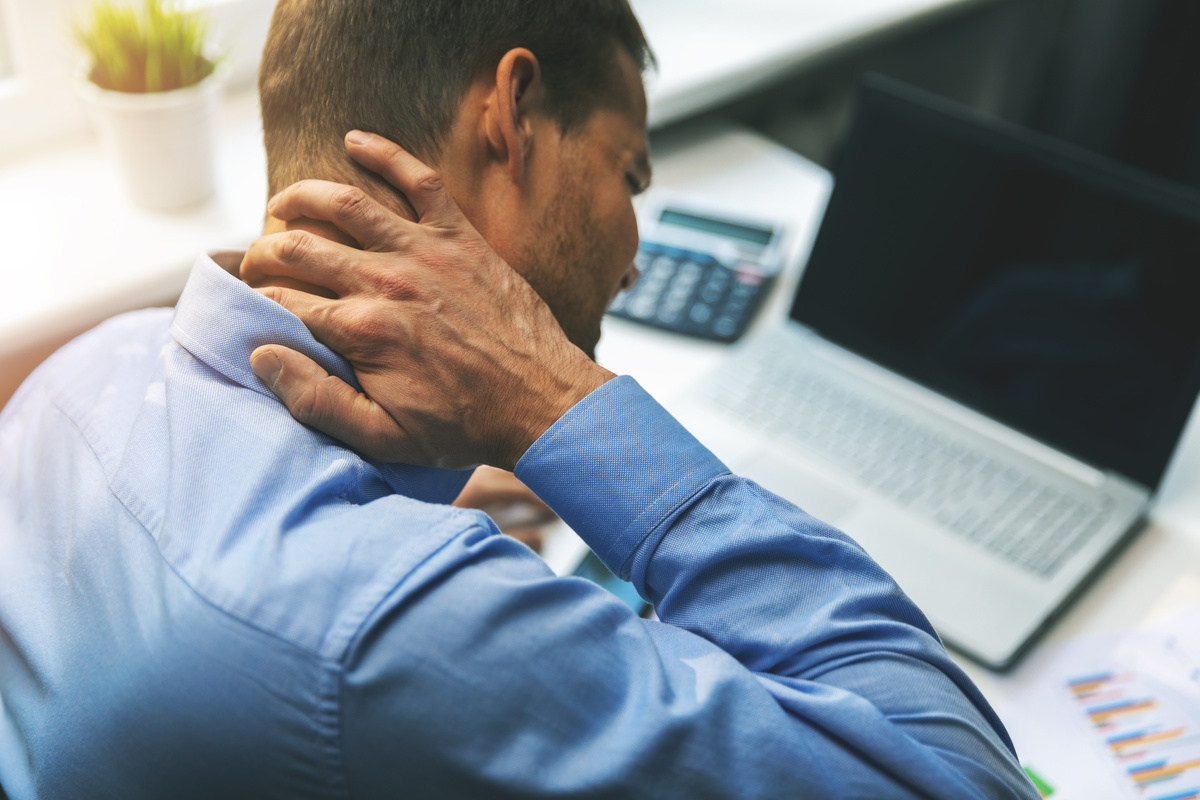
(304, 257)
(319, 400)
(351, 209)
(318, 315)
(421, 185)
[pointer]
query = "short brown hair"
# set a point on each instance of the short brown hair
(399, 68)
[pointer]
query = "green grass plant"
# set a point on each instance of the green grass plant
(155, 48)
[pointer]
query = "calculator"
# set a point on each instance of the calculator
(703, 273)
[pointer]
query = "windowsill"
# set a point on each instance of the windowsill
(10, 85)
(77, 251)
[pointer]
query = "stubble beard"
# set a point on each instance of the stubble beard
(563, 276)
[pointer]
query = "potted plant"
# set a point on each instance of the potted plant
(152, 89)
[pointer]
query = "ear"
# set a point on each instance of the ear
(518, 96)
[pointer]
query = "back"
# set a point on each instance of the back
(167, 535)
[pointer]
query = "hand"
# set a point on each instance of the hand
(461, 361)
(515, 509)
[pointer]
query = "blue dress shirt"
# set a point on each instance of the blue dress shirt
(200, 597)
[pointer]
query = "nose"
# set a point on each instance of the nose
(630, 278)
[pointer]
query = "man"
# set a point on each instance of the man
(200, 597)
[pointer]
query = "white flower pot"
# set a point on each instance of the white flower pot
(163, 142)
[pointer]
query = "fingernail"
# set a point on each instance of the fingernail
(274, 201)
(358, 137)
(266, 366)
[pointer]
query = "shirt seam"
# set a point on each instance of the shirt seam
(357, 633)
(666, 513)
(192, 344)
(315, 653)
(146, 529)
(456, 514)
(322, 661)
(341, 636)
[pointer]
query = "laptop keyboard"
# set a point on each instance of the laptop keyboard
(987, 502)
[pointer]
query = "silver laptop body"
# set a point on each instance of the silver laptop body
(988, 526)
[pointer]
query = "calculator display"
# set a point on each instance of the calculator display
(729, 230)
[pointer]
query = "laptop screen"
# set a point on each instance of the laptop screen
(1044, 286)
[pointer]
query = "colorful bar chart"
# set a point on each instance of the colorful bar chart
(1145, 717)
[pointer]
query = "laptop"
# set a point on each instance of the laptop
(991, 355)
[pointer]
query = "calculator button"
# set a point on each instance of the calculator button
(725, 326)
(662, 266)
(712, 292)
(700, 313)
(668, 315)
(642, 307)
(674, 301)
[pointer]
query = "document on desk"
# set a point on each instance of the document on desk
(1125, 708)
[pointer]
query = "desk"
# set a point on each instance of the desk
(1160, 569)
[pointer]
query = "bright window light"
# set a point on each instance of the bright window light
(6, 65)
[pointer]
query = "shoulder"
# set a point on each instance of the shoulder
(309, 569)
(123, 342)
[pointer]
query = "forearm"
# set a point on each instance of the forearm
(789, 597)
(714, 553)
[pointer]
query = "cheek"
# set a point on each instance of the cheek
(623, 233)
(630, 234)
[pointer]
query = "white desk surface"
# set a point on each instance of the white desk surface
(712, 51)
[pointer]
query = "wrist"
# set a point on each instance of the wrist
(561, 391)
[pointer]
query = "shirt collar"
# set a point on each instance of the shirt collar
(220, 320)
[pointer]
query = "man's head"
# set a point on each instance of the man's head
(532, 110)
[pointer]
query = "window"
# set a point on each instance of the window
(8, 60)
(38, 60)
(36, 99)
(6, 68)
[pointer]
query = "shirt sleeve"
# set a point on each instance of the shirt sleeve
(786, 663)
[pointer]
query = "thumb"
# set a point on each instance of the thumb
(329, 404)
